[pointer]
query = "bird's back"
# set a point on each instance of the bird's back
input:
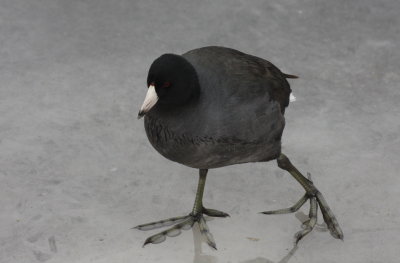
(241, 73)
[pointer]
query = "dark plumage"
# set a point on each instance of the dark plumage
(236, 117)
(215, 106)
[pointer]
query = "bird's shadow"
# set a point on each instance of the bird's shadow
(285, 259)
(201, 257)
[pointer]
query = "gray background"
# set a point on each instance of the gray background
(77, 171)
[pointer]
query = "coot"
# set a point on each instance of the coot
(215, 106)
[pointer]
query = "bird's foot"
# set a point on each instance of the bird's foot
(182, 223)
(315, 198)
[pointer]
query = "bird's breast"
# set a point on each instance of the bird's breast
(207, 151)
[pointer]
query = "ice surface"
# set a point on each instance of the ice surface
(77, 171)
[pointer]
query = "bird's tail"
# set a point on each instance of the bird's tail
(288, 76)
(292, 98)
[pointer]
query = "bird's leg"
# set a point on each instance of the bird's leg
(315, 198)
(186, 222)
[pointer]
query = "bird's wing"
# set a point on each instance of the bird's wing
(241, 74)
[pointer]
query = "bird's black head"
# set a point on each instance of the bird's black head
(172, 81)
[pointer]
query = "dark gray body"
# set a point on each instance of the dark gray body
(237, 118)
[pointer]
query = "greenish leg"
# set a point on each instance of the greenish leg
(310, 223)
(198, 201)
(291, 209)
(186, 222)
(315, 198)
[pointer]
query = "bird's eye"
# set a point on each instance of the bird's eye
(166, 84)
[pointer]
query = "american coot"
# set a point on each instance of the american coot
(215, 106)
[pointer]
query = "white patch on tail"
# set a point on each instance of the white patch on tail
(292, 97)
